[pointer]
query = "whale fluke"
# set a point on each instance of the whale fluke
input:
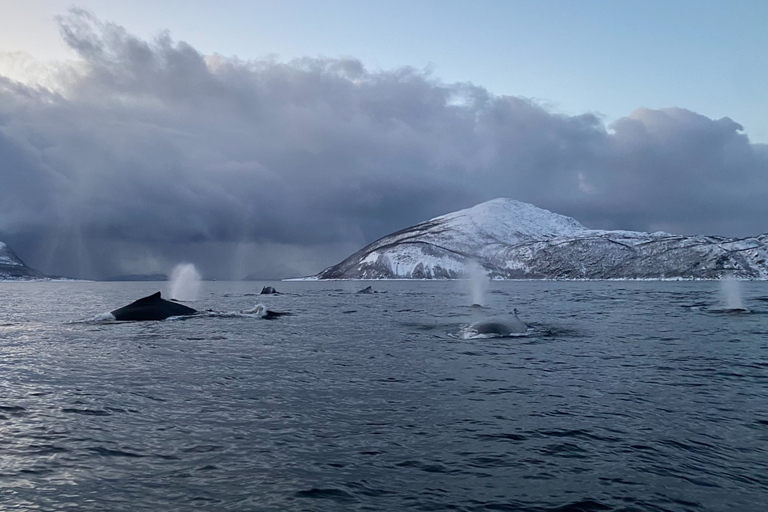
(152, 307)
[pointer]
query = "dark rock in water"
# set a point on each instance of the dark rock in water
(268, 290)
(153, 307)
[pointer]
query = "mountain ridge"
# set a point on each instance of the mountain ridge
(13, 269)
(510, 239)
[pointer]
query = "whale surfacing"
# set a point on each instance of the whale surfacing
(261, 311)
(507, 327)
(152, 307)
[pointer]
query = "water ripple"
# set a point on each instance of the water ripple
(623, 397)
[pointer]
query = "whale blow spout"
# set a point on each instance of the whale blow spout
(730, 290)
(152, 307)
(185, 282)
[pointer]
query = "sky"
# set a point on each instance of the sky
(273, 139)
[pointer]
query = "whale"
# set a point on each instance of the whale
(261, 311)
(268, 290)
(152, 307)
(505, 327)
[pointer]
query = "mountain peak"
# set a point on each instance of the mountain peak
(510, 220)
(8, 257)
(511, 240)
(12, 268)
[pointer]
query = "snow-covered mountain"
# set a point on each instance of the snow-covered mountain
(13, 269)
(514, 240)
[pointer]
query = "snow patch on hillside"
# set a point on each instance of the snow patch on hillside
(514, 240)
(7, 257)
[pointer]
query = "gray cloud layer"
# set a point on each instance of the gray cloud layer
(150, 153)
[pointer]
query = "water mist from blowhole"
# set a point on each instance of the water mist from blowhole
(730, 291)
(185, 282)
(478, 282)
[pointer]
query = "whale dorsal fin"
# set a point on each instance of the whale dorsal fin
(149, 298)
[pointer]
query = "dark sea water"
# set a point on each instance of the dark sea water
(624, 396)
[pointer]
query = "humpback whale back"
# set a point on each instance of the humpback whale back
(507, 327)
(149, 299)
(261, 311)
(499, 328)
(152, 307)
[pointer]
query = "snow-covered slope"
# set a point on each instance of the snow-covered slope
(12, 268)
(514, 240)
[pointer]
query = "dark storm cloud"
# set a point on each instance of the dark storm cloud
(152, 153)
